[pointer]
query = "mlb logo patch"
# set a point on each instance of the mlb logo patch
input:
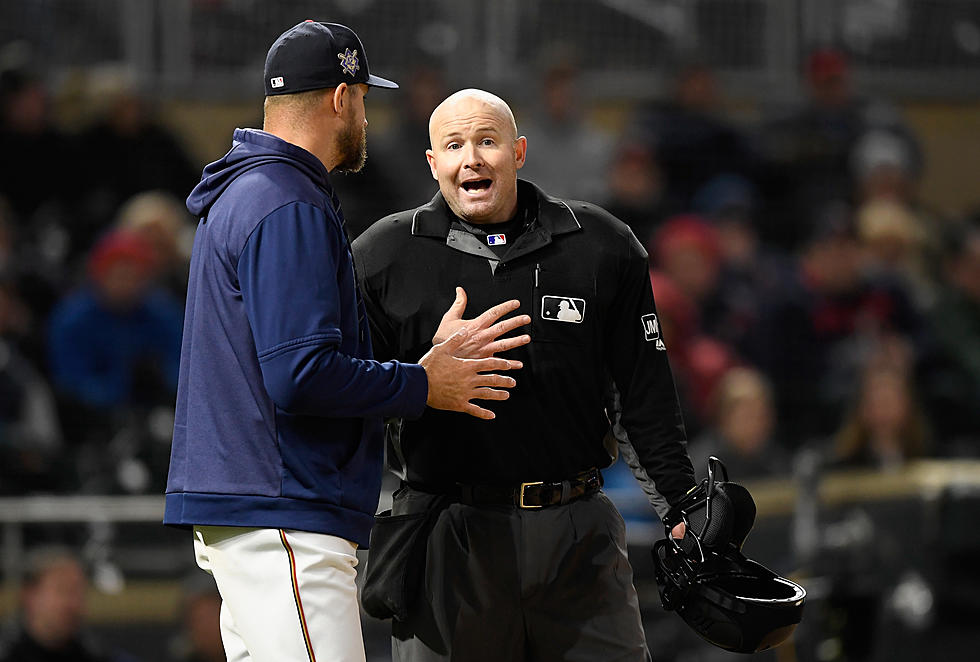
(562, 309)
(277, 81)
(496, 239)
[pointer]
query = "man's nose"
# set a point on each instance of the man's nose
(471, 156)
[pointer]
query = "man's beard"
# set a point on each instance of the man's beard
(353, 148)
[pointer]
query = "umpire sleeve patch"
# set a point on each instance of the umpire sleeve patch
(651, 330)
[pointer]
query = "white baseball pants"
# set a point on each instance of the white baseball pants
(287, 596)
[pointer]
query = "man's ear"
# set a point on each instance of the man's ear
(337, 98)
(520, 151)
(431, 158)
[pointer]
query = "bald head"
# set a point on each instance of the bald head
(475, 155)
(466, 101)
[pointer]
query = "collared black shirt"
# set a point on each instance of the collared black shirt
(498, 236)
(583, 278)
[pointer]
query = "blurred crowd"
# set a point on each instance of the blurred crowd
(808, 298)
(53, 622)
(807, 295)
(93, 259)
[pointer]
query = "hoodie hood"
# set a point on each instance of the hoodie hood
(250, 148)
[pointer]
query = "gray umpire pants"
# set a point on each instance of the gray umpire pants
(509, 585)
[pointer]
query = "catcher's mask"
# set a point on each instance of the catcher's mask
(728, 599)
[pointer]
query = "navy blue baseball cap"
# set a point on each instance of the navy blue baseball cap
(313, 56)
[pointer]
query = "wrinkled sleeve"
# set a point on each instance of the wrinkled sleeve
(651, 422)
(288, 274)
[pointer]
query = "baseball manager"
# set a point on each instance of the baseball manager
(277, 450)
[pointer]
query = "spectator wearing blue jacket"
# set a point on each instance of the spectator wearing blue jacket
(114, 343)
(277, 452)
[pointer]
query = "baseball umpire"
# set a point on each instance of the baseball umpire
(528, 561)
(277, 449)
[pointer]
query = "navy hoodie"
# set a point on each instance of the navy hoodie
(279, 403)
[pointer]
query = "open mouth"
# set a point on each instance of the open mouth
(476, 185)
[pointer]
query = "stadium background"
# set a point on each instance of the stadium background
(654, 108)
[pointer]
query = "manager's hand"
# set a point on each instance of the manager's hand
(484, 332)
(454, 382)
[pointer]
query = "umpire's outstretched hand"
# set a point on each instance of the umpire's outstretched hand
(454, 382)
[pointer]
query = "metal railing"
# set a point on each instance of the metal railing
(100, 512)
(928, 480)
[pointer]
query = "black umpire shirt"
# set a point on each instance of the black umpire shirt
(583, 278)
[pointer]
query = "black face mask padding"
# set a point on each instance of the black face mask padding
(743, 511)
(719, 531)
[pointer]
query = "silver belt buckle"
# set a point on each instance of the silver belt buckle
(520, 502)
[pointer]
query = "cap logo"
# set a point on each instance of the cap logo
(348, 61)
(277, 81)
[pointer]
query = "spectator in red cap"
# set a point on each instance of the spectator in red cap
(162, 221)
(114, 343)
(828, 77)
(686, 249)
(120, 266)
(697, 360)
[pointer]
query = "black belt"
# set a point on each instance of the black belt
(530, 495)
